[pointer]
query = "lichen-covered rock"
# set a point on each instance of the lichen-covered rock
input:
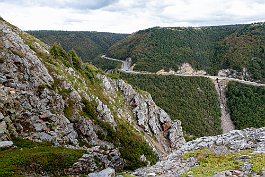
(97, 159)
(108, 172)
(232, 142)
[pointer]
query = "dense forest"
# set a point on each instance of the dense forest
(88, 45)
(106, 65)
(192, 100)
(247, 105)
(208, 48)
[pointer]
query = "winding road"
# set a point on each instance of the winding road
(126, 64)
(220, 84)
(126, 67)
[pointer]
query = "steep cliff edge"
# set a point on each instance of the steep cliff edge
(49, 95)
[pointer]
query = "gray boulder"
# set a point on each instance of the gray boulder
(108, 172)
(6, 144)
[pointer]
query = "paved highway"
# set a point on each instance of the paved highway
(127, 64)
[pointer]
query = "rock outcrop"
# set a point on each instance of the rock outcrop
(233, 142)
(147, 116)
(108, 172)
(243, 75)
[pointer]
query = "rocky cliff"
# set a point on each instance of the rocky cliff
(54, 97)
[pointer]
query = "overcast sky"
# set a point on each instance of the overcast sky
(127, 16)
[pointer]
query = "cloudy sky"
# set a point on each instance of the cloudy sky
(127, 16)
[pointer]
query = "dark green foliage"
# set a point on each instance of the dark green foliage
(89, 109)
(192, 100)
(35, 158)
(23, 143)
(69, 109)
(69, 59)
(165, 48)
(106, 65)
(74, 60)
(88, 45)
(132, 146)
(208, 48)
(60, 54)
(247, 105)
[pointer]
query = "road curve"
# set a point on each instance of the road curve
(126, 68)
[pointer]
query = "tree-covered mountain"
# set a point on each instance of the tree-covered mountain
(86, 44)
(208, 48)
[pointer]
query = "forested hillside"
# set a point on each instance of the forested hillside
(87, 44)
(247, 105)
(208, 48)
(192, 100)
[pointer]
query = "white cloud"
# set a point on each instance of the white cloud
(127, 16)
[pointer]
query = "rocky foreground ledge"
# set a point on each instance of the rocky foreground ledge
(237, 153)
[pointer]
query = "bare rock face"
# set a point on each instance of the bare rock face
(20, 67)
(147, 116)
(31, 105)
(186, 68)
(243, 75)
(234, 140)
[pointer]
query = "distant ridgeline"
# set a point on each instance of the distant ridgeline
(88, 45)
(208, 48)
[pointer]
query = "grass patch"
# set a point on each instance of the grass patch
(36, 158)
(210, 163)
(258, 162)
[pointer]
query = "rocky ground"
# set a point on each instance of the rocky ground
(237, 153)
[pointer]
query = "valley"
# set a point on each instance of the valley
(152, 103)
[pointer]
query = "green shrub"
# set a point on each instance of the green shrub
(130, 142)
(74, 60)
